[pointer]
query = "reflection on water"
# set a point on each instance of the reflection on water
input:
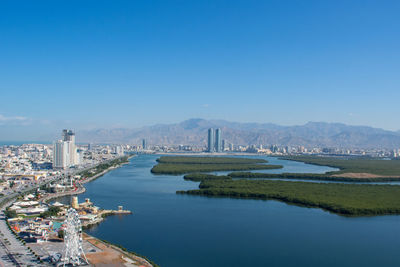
(181, 230)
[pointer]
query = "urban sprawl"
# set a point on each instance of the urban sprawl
(33, 175)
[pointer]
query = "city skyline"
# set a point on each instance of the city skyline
(280, 63)
(52, 133)
(199, 133)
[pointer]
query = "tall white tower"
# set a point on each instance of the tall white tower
(65, 154)
(69, 136)
(211, 140)
(218, 140)
(61, 156)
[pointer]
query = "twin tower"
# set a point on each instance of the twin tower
(64, 152)
(214, 140)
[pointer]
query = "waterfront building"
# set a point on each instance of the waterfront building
(218, 141)
(211, 142)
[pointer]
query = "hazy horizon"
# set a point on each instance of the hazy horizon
(91, 64)
(53, 134)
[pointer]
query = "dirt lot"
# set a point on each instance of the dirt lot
(112, 256)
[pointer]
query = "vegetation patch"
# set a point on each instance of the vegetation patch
(102, 167)
(379, 167)
(52, 211)
(10, 213)
(344, 199)
(182, 165)
(198, 177)
(309, 176)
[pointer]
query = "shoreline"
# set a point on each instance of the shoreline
(211, 154)
(128, 256)
(142, 260)
(81, 189)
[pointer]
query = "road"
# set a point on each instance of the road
(12, 251)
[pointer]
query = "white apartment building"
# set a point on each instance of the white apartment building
(61, 155)
(64, 153)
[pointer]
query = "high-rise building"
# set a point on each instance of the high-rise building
(65, 136)
(61, 157)
(211, 140)
(144, 144)
(214, 140)
(64, 153)
(119, 150)
(69, 136)
(218, 141)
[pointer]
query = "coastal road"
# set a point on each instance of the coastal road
(12, 251)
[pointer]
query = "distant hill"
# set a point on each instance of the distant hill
(194, 131)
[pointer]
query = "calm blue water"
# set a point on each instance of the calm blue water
(288, 166)
(180, 230)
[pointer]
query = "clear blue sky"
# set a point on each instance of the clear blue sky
(89, 64)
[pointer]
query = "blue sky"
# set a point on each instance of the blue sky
(91, 64)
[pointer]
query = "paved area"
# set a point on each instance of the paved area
(49, 248)
(12, 251)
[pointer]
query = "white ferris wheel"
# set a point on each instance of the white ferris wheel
(73, 251)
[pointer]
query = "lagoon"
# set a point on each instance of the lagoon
(183, 230)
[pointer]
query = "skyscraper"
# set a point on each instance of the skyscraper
(61, 157)
(218, 140)
(144, 144)
(211, 140)
(64, 153)
(119, 150)
(69, 136)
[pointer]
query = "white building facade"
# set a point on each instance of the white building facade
(64, 152)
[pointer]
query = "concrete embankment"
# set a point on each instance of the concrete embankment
(103, 214)
(81, 189)
(89, 179)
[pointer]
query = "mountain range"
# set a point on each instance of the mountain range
(194, 132)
